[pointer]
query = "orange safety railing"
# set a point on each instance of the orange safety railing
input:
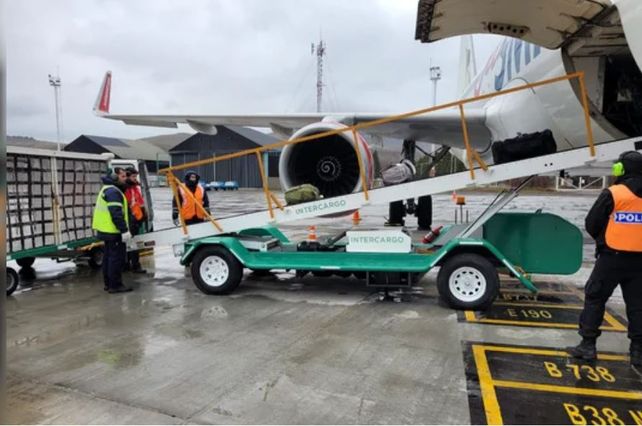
(471, 154)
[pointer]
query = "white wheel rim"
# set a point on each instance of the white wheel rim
(467, 284)
(214, 271)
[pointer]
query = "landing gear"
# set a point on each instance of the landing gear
(422, 210)
(422, 207)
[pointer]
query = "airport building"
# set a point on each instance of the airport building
(229, 139)
(155, 157)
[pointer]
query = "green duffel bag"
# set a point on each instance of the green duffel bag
(302, 194)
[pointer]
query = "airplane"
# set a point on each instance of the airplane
(544, 39)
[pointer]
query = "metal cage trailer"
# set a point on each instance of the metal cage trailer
(470, 256)
(50, 200)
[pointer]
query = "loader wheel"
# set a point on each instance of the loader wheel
(12, 280)
(95, 260)
(216, 271)
(468, 281)
(25, 262)
(322, 274)
(424, 213)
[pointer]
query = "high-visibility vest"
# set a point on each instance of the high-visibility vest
(136, 203)
(624, 230)
(188, 208)
(102, 220)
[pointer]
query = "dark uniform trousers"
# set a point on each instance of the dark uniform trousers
(610, 270)
(114, 262)
(133, 257)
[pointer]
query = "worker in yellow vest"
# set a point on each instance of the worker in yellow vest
(615, 222)
(188, 210)
(111, 223)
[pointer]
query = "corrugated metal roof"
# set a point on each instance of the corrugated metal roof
(131, 149)
(106, 141)
(254, 135)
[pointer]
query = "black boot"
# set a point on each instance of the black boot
(585, 350)
(120, 289)
(139, 270)
(636, 355)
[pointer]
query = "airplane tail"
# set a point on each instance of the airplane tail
(467, 63)
(102, 101)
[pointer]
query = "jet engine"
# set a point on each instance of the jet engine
(330, 163)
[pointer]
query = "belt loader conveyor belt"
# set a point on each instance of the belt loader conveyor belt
(575, 158)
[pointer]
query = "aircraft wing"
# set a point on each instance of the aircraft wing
(441, 127)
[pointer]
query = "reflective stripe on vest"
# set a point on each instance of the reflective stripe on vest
(102, 220)
(624, 230)
(188, 208)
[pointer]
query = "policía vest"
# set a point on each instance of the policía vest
(102, 220)
(188, 208)
(624, 230)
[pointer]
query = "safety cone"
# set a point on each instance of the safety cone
(312, 233)
(356, 218)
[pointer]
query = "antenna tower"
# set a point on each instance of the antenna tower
(320, 51)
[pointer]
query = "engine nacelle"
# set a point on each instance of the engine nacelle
(329, 163)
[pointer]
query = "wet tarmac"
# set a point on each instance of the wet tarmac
(281, 349)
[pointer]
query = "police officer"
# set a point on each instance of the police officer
(188, 210)
(111, 223)
(137, 216)
(615, 222)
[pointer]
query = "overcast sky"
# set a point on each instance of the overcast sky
(209, 56)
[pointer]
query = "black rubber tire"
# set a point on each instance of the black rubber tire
(12, 280)
(483, 266)
(322, 274)
(235, 270)
(424, 213)
(25, 262)
(95, 260)
(396, 213)
(343, 274)
(360, 275)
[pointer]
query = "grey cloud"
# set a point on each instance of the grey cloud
(225, 56)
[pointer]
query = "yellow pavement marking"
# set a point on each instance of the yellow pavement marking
(617, 325)
(489, 397)
(487, 384)
(542, 292)
(548, 352)
(541, 324)
(539, 305)
(470, 316)
(614, 324)
(567, 389)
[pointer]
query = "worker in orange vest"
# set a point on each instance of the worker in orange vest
(615, 222)
(188, 210)
(137, 216)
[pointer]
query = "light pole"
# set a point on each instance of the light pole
(56, 83)
(435, 76)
